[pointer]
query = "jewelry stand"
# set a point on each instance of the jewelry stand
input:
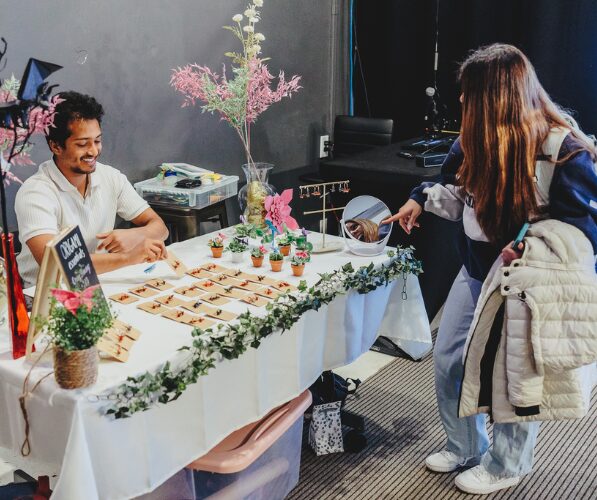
(322, 189)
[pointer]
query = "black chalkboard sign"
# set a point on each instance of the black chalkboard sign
(72, 254)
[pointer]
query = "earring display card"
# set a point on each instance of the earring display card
(177, 315)
(247, 285)
(198, 307)
(224, 279)
(284, 286)
(121, 340)
(214, 268)
(159, 284)
(112, 349)
(123, 298)
(169, 300)
(233, 293)
(199, 321)
(143, 291)
(189, 291)
(263, 280)
(268, 292)
(222, 315)
(255, 300)
(176, 264)
(152, 307)
(199, 272)
(215, 299)
(238, 274)
(209, 286)
(126, 329)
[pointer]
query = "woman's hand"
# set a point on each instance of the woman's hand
(509, 254)
(407, 216)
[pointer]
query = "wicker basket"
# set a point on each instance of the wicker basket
(75, 369)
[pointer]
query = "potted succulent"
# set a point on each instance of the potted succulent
(298, 261)
(284, 241)
(257, 254)
(217, 245)
(237, 247)
(75, 323)
(276, 260)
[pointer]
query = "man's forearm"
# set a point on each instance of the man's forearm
(154, 229)
(106, 262)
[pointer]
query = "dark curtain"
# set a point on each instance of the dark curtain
(396, 40)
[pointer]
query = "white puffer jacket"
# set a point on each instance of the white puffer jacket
(532, 345)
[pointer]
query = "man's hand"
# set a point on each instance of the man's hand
(147, 251)
(120, 240)
(407, 216)
(509, 254)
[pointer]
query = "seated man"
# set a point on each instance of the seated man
(73, 188)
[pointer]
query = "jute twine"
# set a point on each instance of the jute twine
(26, 446)
(75, 369)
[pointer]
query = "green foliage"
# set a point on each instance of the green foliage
(81, 331)
(229, 341)
(248, 230)
(237, 245)
(276, 255)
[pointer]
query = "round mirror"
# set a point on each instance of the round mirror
(361, 225)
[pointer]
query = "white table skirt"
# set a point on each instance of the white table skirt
(101, 458)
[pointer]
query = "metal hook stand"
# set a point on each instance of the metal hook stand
(322, 189)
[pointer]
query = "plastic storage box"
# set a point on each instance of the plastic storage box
(260, 461)
(155, 191)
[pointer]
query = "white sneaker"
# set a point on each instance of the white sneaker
(445, 461)
(479, 481)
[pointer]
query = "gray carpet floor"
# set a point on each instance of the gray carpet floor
(403, 427)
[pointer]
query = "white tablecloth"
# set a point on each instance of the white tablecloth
(101, 458)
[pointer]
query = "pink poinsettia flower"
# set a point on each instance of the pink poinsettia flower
(278, 210)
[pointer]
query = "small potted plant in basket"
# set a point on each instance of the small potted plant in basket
(237, 247)
(75, 323)
(276, 259)
(298, 261)
(217, 245)
(257, 254)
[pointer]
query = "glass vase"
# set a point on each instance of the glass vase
(251, 197)
(17, 308)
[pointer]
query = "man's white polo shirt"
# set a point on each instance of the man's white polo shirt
(47, 203)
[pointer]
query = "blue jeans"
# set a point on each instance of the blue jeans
(512, 451)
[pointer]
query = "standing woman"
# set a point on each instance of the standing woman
(492, 183)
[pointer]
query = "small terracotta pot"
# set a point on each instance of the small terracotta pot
(217, 252)
(276, 265)
(284, 250)
(297, 270)
(75, 369)
(257, 261)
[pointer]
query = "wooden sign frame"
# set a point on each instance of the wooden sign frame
(52, 273)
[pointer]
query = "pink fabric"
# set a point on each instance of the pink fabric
(278, 210)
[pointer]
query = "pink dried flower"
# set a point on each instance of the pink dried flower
(278, 210)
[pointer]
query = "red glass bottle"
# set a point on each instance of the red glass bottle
(17, 308)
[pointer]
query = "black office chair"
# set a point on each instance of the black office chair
(355, 134)
(352, 135)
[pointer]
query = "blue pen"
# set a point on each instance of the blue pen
(149, 269)
(520, 236)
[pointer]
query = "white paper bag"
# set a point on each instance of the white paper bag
(325, 431)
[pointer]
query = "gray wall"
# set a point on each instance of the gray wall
(132, 45)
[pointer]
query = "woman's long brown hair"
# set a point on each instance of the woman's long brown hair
(506, 117)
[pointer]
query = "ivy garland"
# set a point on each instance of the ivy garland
(229, 341)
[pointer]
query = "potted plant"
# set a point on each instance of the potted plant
(284, 241)
(217, 245)
(276, 260)
(257, 254)
(247, 230)
(237, 247)
(298, 261)
(75, 323)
